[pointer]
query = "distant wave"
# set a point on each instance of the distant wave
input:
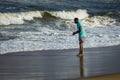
(20, 17)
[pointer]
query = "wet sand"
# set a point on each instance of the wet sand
(61, 64)
(104, 77)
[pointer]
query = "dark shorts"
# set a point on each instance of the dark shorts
(81, 39)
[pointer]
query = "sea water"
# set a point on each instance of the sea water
(48, 24)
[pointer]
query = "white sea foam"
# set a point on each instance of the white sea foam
(101, 31)
(99, 21)
(19, 17)
(81, 14)
(46, 39)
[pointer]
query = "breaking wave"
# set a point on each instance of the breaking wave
(20, 17)
(17, 18)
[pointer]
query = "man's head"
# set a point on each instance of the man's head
(76, 20)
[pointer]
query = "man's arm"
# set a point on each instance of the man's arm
(78, 31)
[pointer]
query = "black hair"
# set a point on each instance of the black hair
(76, 19)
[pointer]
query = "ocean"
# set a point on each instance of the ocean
(28, 25)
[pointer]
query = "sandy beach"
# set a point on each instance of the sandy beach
(105, 77)
(96, 64)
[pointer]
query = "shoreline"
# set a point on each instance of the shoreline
(102, 77)
(70, 49)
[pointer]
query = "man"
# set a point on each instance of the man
(82, 35)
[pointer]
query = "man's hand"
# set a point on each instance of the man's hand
(74, 33)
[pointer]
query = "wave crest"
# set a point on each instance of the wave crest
(69, 14)
(19, 17)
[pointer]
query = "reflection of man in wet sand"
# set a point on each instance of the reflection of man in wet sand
(81, 67)
(82, 35)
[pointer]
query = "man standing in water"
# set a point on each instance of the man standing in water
(82, 35)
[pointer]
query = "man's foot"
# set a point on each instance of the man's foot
(79, 55)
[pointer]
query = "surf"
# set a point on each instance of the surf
(20, 17)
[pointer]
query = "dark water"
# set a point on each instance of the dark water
(92, 6)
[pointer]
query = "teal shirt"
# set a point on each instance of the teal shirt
(82, 33)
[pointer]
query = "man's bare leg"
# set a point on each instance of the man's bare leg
(80, 50)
